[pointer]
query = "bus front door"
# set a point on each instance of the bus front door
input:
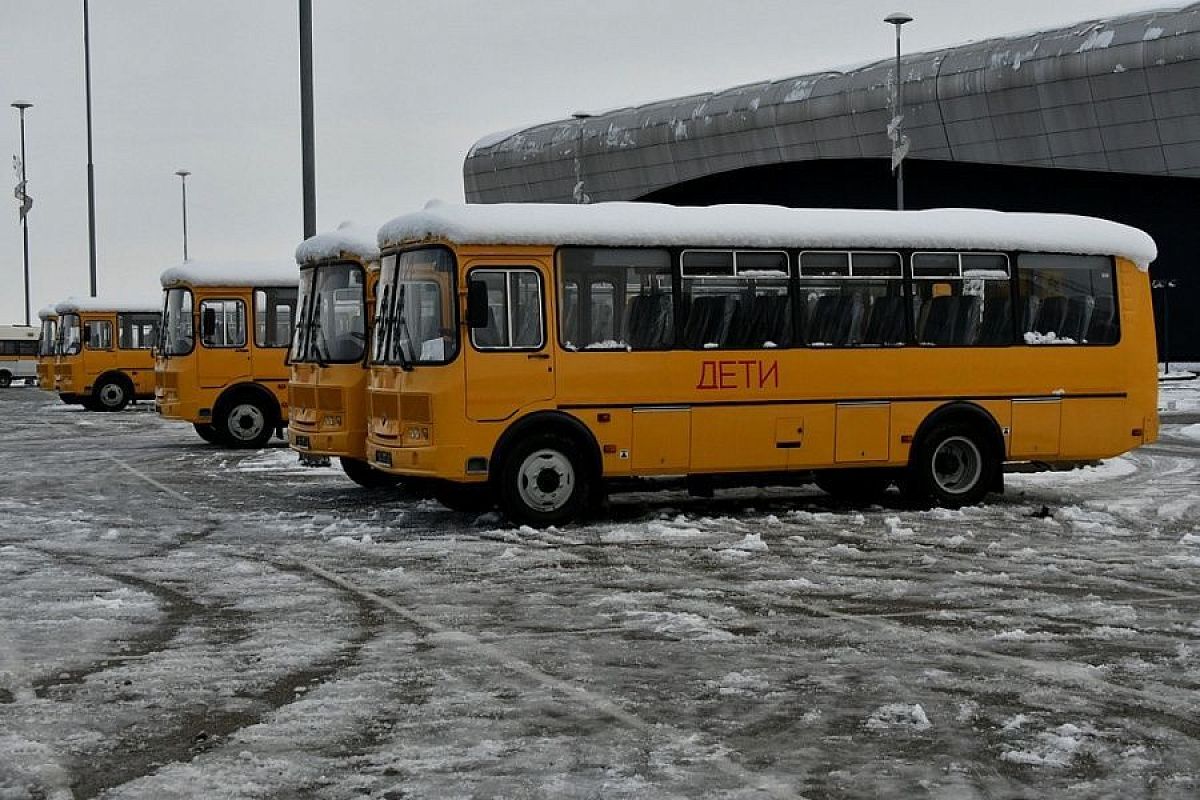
(509, 362)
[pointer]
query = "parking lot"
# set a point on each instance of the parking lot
(180, 620)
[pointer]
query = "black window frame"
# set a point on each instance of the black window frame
(542, 308)
(268, 291)
(199, 334)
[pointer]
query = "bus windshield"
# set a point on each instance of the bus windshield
(332, 325)
(416, 319)
(47, 343)
(69, 339)
(177, 337)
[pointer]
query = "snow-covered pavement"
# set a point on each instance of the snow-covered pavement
(178, 620)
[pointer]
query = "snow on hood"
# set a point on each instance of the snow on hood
(624, 224)
(348, 241)
(232, 273)
(124, 303)
(47, 312)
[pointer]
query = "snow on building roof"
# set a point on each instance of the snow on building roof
(624, 224)
(232, 273)
(47, 312)
(348, 241)
(124, 303)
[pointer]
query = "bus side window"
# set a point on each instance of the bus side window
(1069, 299)
(274, 310)
(97, 334)
(514, 310)
(962, 299)
(735, 299)
(852, 299)
(625, 299)
(223, 323)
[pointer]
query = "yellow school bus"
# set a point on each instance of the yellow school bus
(328, 356)
(540, 356)
(47, 347)
(230, 382)
(104, 359)
(18, 354)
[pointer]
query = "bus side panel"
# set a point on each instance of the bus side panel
(1096, 428)
(737, 438)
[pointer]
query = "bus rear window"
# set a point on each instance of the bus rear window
(1067, 299)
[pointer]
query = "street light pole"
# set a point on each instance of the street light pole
(1166, 285)
(899, 19)
(20, 107)
(308, 157)
(91, 172)
(183, 173)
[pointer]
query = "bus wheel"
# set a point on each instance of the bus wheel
(854, 486)
(5, 379)
(953, 466)
(543, 482)
(245, 422)
(207, 432)
(111, 395)
(470, 498)
(367, 476)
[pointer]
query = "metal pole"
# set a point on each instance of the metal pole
(24, 213)
(1167, 326)
(183, 173)
(306, 120)
(91, 173)
(900, 127)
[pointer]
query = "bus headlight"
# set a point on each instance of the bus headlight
(332, 421)
(417, 434)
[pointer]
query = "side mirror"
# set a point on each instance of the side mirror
(208, 324)
(87, 335)
(477, 305)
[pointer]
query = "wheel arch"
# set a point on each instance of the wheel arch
(962, 412)
(547, 422)
(247, 389)
(118, 375)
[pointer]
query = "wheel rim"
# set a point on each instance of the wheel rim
(111, 395)
(246, 422)
(957, 465)
(546, 480)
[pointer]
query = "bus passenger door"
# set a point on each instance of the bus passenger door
(509, 361)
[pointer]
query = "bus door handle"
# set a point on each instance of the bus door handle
(242, 350)
(540, 356)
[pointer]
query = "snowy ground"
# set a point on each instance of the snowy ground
(181, 621)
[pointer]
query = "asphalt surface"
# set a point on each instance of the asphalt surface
(178, 620)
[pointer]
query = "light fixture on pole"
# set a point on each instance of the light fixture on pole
(1166, 284)
(183, 173)
(896, 126)
(26, 203)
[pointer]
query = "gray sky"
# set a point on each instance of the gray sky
(403, 88)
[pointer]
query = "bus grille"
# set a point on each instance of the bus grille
(415, 408)
(321, 398)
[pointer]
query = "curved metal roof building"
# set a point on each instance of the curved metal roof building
(1118, 95)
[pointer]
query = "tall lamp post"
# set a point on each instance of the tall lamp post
(183, 173)
(26, 204)
(91, 172)
(308, 158)
(1166, 285)
(895, 129)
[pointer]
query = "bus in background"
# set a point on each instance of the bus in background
(103, 358)
(47, 347)
(547, 354)
(328, 389)
(18, 354)
(222, 359)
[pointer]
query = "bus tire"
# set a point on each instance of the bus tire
(953, 465)
(544, 481)
(367, 476)
(856, 487)
(469, 498)
(112, 393)
(245, 420)
(5, 379)
(207, 432)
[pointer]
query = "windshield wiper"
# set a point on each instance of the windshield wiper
(402, 330)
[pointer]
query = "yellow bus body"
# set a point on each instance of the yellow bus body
(47, 342)
(702, 412)
(200, 383)
(105, 373)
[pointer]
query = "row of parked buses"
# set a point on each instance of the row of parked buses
(538, 357)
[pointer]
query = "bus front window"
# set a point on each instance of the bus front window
(47, 342)
(178, 337)
(332, 326)
(416, 316)
(69, 338)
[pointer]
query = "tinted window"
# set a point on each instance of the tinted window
(138, 331)
(97, 334)
(962, 299)
(852, 299)
(514, 310)
(735, 299)
(274, 313)
(223, 323)
(622, 299)
(1068, 299)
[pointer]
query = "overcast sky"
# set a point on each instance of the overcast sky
(403, 88)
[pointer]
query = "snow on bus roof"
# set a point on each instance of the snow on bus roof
(625, 224)
(127, 303)
(47, 312)
(349, 240)
(232, 273)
